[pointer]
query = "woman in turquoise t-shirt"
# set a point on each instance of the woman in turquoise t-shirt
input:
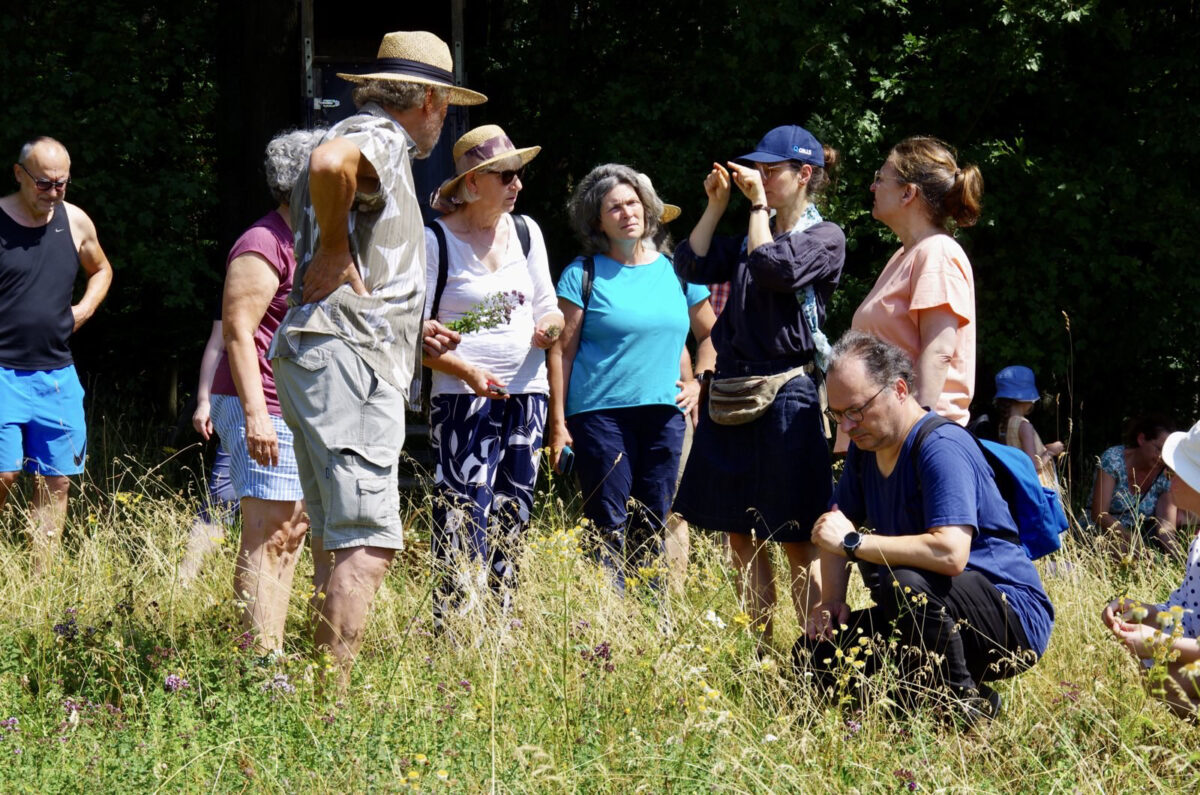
(623, 405)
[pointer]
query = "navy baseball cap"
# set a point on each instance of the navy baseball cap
(789, 142)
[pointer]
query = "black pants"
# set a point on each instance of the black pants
(942, 632)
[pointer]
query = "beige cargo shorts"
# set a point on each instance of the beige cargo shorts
(349, 428)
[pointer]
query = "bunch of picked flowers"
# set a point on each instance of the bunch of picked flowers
(495, 310)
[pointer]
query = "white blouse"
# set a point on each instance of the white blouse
(506, 351)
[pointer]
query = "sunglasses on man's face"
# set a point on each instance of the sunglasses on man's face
(44, 184)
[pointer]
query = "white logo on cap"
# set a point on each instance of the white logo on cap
(802, 151)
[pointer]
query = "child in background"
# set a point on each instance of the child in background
(1171, 629)
(1016, 394)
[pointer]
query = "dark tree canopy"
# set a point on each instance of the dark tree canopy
(1081, 115)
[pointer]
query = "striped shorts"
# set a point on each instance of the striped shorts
(251, 479)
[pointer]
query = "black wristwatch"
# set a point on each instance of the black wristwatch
(704, 378)
(850, 544)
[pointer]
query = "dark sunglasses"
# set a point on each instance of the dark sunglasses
(506, 177)
(44, 184)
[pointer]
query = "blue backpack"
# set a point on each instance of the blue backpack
(1037, 510)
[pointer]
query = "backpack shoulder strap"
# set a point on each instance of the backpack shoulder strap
(522, 233)
(927, 427)
(1000, 473)
(443, 267)
(589, 276)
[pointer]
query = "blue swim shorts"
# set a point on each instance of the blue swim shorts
(42, 427)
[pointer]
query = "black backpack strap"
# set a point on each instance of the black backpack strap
(522, 233)
(585, 287)
(927, 427)
(443, 267)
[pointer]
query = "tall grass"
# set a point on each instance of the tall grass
(114, 678)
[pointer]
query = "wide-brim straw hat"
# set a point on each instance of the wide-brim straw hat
(416, 56)
(475, 151)
(670, 211)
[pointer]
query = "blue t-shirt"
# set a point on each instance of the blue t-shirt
(958, 487)
(633, 333)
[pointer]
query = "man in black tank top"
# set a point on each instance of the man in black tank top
(44, 241)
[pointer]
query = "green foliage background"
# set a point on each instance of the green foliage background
(1082, 116)
(128, 87)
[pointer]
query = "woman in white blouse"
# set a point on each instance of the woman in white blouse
(486, 269)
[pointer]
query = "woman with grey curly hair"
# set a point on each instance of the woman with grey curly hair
(616, 395)
(245, 405)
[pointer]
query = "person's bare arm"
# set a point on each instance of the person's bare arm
(939, 327)
(833, 611)
(943, 550)
(716, 185)
(201, 417)
(250, 283)
(560, 360)
(1102, 495)
(479, 380)
(337, 170)
(95, 265)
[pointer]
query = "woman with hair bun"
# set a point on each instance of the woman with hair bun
(924, 300)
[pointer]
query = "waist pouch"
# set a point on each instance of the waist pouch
(737, 401)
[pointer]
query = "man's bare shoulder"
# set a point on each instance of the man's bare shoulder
(81, 224)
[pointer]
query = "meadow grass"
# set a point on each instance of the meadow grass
(114, 678)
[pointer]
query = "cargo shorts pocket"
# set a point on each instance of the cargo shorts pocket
(313, 358)
(361, 493)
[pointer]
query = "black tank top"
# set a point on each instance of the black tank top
(37, 277)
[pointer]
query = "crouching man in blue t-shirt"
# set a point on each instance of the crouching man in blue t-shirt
(948, 579)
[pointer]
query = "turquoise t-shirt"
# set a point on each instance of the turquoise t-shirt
(635, 328)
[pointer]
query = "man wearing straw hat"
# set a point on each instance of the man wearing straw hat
(344, 354)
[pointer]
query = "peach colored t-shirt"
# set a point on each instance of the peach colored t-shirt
(934, 273)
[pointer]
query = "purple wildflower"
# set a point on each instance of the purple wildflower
(67, 630)
(174, 683)
(495, 310)
(279, 683)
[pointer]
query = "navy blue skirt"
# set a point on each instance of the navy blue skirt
(771, 476)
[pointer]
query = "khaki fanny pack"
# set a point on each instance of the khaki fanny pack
(736, 401)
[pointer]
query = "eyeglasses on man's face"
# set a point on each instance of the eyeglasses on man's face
(855, 413)
(44, 184)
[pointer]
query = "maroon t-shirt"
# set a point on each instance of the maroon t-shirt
(270, 239)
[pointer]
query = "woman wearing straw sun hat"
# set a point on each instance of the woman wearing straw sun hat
(1170, 631)
(487, 275)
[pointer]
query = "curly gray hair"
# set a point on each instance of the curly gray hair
(883, 361)
(287, 155)
(585, 205)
